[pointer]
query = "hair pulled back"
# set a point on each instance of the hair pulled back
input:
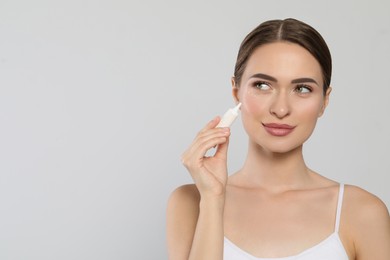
(289, 30)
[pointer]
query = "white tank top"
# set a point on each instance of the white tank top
(330, 248)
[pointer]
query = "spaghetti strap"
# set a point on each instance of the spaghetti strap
(339, 206)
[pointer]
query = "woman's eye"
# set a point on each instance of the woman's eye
(303, 89)
(262, 85)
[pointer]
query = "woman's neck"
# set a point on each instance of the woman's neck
(274, 171)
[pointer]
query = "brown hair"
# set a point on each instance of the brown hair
(290, 30)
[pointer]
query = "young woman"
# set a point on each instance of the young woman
(274, 207)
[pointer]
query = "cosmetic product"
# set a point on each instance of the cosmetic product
(229, 117)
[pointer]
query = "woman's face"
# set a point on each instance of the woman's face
(281, 92)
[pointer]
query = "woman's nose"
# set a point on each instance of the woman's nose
(280, 106)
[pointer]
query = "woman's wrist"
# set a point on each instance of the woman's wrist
(212, 202)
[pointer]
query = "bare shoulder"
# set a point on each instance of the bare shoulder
(364, 204)
(183, 205)
(185, 197)
(368, 223)
(182, 216)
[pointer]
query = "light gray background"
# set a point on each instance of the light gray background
(98, 99)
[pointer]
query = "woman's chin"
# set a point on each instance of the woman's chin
(279, 149)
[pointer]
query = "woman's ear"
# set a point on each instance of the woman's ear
(235, 90)
(326, 101)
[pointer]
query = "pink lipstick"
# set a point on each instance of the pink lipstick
(278, 129)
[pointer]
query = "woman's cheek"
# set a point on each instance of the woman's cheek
(253, 111)
(253, 104)
(310, 108)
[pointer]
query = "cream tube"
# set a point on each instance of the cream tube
(229, 117)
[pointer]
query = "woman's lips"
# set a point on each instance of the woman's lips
(278, 129)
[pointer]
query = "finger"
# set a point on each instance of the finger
(222, 149)
(204, 141)
(210, 125)
(194, 155)
(208, 135)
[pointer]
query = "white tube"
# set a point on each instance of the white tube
(229, 117)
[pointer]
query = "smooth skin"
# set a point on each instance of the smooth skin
(274, 206)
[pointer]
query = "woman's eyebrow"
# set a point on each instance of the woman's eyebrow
(304, 80)
(294, 81)
(264, 76)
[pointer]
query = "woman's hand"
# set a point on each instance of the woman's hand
(208, 173)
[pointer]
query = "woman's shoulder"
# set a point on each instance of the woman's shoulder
(182, 215)
(358, 200)
(184, 201)
(367, 221)
(187, 193)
